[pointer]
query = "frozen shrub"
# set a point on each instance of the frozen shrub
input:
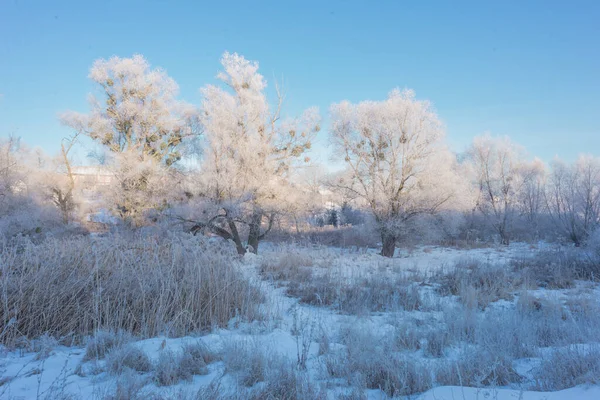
(548, 269)
(358, 295)
(407, 336)
(44, 346)
(394, 375)
(380, 293)
(478, 285)
(355, 394)
(286, 383)
(436, 341)
(560, 268)
(369, 362)
(128, 357)
(213, 392)
(167, 371)
(565, 368)
(460, 322)
(129, 386)
(505, 332)
(265, 375)
(477, 368)
(247, 360)
(200, 352)
(288, 266)
(173, 367)
(102, 343)
(319, 291)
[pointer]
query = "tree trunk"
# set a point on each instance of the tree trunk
(254, 231)
(389, 244)
(236, 237)
(504, 237)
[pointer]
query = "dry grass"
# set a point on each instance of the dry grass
(247, 361)
(568, 367)
(143, 285)
(128, 357)
(478, 284)
(370, 362)
(360, 295)
(477, 369)
(129, 386)
(291, 265)
(173, 367)
(560, 268)
(263, 374)
(103, 342)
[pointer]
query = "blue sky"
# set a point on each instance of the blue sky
(527, 69)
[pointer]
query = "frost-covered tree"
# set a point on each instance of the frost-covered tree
(396, 161)
(10, 174)
(137, 110)
(249, 153)
(531, 197)
(136, 118)
(60, 180)
(498, 165)
(24, 204)
(139, 188)
(573, 197)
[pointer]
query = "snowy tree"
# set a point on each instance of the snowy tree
(140, 187)
(60, 180)
(137, 111)
(498, 165)
(137, 116)
(531, 197)
(249, 153)
(573, 197)
(397, 163)
(24, 202)
(10, 174)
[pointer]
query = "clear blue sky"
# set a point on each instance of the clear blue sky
(527, 69)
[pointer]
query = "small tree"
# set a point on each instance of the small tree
(573, 197)
(10, 175)
(498, 165)
(61, 183)
(24, 205)
(531, 197)
(137, 115)
(332, 216)
(250, 152)
(397, 164)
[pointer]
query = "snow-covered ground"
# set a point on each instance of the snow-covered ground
(313, 337)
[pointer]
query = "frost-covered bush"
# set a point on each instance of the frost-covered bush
(358, 295)
(287, 265)
(568, 367)
(478, 284)
(287, 383)
(143, 285)
(25, 203)
(129, 386)
(247, 360)
(263, 374)
(127, 357)
(103, 342)
(370, 361)
(173, 366)
(559, 268)
(477, 368)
